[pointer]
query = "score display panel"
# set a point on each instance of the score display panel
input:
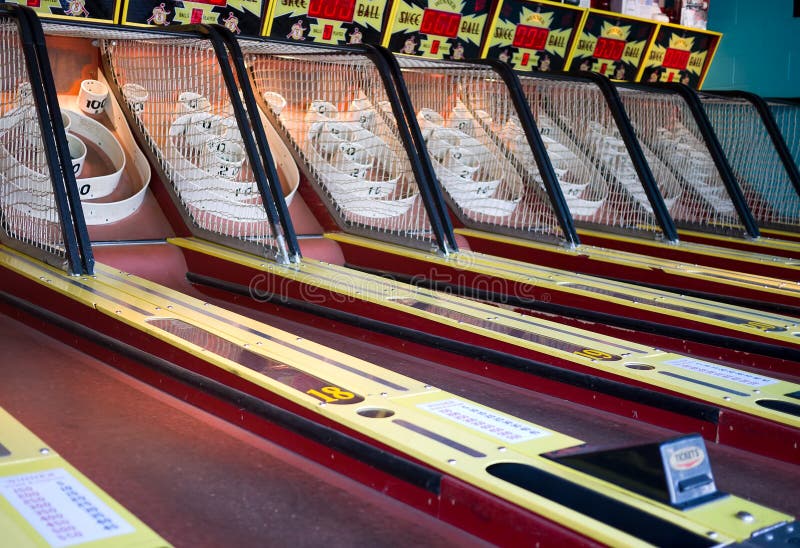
(241, 17)
(530, 35)
(680, 54)
(438, 29)
(78, 11)
(612, 44)
(326, 21)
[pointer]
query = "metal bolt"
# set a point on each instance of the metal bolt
(44, 451)
(746, 517)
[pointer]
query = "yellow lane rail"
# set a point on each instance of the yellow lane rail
(763, 258)
(462, 438)
(719, 385)
(45, 501)
(776, 327)
(623, 258)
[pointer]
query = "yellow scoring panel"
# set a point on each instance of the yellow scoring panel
(326, 21)
(532, 34)
(681, 54)
(716, 251)
(612, 44)
(644, 262)
(719, 385)
(439, 29)
(396, 410)
(44, 501)
(75, 11)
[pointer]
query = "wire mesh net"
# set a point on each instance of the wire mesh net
(332, 108)
(751, 154)
(667, 129)
(787, 116)
(31, 220)
(594, 166)
(491, 182)
(176, 93)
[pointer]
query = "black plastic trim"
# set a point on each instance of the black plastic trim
(260, 175)
(24, 17)
(632, 145)
(772, 128)
(717, 153)
(536, 144)
(614, 513)
(272, 180)
(435, 204)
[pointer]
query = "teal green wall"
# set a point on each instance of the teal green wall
(760, 49)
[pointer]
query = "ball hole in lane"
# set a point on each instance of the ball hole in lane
(639, 366)
(781, 406)
(375, 412)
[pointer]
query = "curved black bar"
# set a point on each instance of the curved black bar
(640, 164)
(72, 249)
(772, 128)
(536, 143)
(285, 220)
(59, 133)
(718, 155)
(435, 205)
(221, 51)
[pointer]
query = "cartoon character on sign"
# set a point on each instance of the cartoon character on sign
(544, 62)
(355, 36)
(655, 75)
(159, 16)
(619, 71)
(410, 47)
(232, 23)
(76, 8)
(297, 32)
(458, 52)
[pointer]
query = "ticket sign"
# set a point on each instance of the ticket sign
(613, 45)
(440, 29)
(532, 35)
(327, 21)
(680, 54)
(239, 16)
(87, 11)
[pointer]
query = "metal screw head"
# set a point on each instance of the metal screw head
(44, 451)
(746, 517)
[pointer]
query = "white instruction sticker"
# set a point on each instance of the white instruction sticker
(722, 372)
(489, 422)
(61, 509)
